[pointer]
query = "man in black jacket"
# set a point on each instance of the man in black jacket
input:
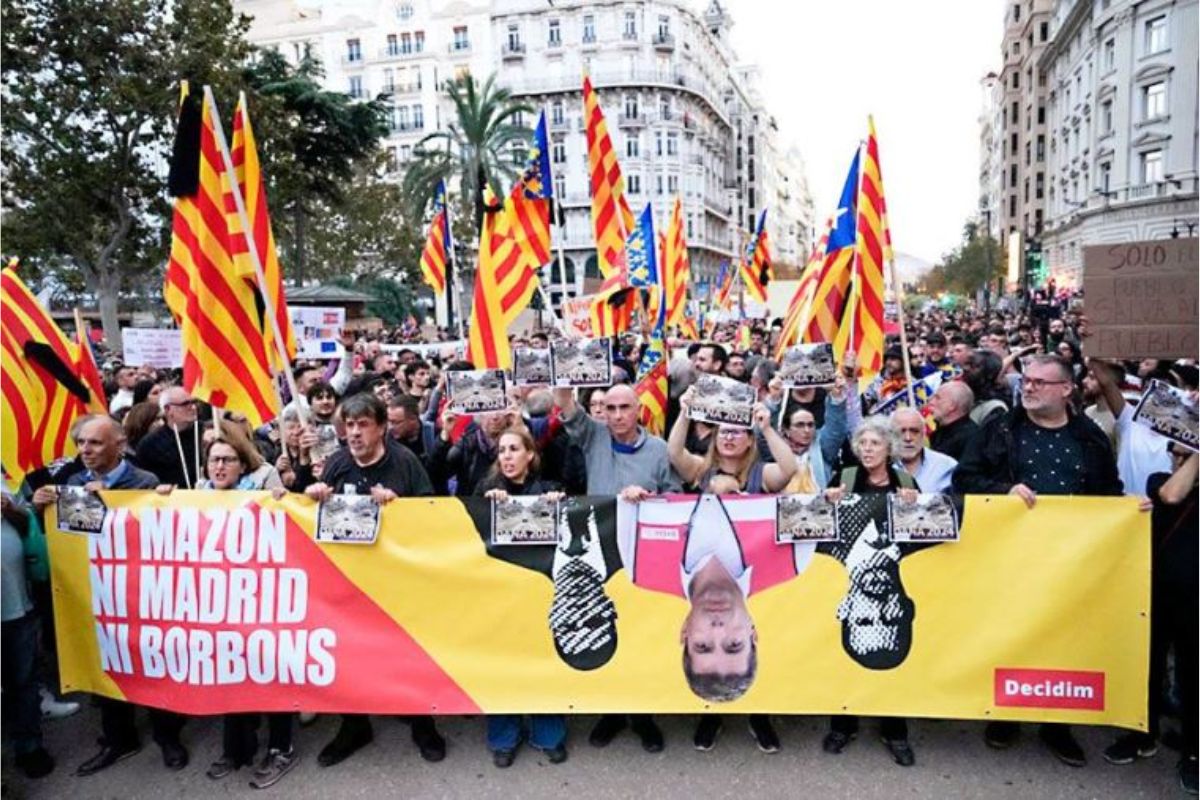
(951, 406)
(172, 451)
(1040, 448)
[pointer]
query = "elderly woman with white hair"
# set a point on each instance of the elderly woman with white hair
(870, 557)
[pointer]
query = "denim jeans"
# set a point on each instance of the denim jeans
(22, 703)
(546, 731)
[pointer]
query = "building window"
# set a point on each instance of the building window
(405, 11)
(419, 42)
(558, 152)
(393, 45)
(1156, 35)
(1012, 205)
(405, 153)
(1110, 55)
(630, 29)
(406, 45)
(401, 118)
(658, 183)
(1016, 12)
(633, 146)
(353, 50)
(1105, 176)
(389, 80)
(1041, 148)
(1154, 100)
(631, 106)
(557, 117)
(553, 33)
(514, 37)
(589, 28)
(560, 186)
(1040, 187)
(356, 86)
(664, 27)
(635, 183)
(1106, 116)
(461, 42)
(658, 140)
(418, 113)
(1152, 166)
(1016, 80)
(1041, 115)
(672, 144)
(1044, 32)
(673, 184)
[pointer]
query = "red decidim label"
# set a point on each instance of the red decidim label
(1050, 688)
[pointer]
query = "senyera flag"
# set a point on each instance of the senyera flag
(438, 243)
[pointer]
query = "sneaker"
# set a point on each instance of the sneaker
(53, 708)
(222, 768)
(1130, 748)
(503, 759)
(343, 746)
(606, 729)
(275, 764)
(557, 755)
(427, 739)
(902, 752)
(1187, 774)
(1061, 742)
(763, 733)
(707, 731)
(648, 731)
(1001, 735)
(835, 742)
(174, 756)
(38, 763)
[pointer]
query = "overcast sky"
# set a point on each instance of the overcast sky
(915, 65)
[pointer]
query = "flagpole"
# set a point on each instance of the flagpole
(854, 279)
(247, 232)
(452, 287)
(560, 218)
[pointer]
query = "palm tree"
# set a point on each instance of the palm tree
(476, 147)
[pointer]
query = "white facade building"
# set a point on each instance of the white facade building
(991, 160)
(684, 116)
(1123, 117)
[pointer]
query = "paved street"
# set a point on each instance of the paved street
(952, 761)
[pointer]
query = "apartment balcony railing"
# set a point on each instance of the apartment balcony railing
(513, 50)
(664, 42)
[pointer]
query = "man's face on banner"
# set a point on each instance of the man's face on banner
(718, 637)
(876, 614)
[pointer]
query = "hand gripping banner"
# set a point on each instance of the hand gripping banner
(212, 602)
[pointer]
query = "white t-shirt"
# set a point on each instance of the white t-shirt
(1140, 452)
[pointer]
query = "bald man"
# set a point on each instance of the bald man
(622, 458)
(951, 406)
(931, 470)
(101, 443)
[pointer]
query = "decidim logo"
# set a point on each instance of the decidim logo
(1050, 688)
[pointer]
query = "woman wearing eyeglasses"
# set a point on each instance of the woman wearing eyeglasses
(231, 464)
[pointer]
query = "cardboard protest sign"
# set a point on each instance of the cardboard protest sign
(1140, 299)
(161, 348)
(318, 330)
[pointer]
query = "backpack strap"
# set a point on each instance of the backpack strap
(847, 477)
(906, 480)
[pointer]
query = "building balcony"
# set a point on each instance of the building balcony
(664, 42)
(513, 51)
(399, 52)
(631, 120)
(401, 88)
(459, 48)
(352, 60)
(562, 123)
(629, 39)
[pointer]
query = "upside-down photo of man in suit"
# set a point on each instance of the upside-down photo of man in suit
(582, 617)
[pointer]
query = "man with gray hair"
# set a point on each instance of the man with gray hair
(172, 451)
(951, 407)
(931, 469)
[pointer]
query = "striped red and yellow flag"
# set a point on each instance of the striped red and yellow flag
(225, 359)
(687, 329)
(249, 175)
(613, 306)
(437, 244)
(41, 394)
(652, 389)
(89, 374)
(874, 247)
(611, 218)
(676, 266)
(756, 266)
(504, 282)
(799, 309)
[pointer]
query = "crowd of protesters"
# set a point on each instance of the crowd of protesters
(1018, 411)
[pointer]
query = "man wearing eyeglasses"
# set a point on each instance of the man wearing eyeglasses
(1040, 447)
(170, 452)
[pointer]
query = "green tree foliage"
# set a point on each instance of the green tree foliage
(476, 148)
(90, 90)
(975, 263)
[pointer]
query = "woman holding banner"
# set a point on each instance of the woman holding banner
(232, 464)
(515, 473)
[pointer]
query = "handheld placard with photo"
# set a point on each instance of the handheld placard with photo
(327, 443)
(581, 362)
(79, 511)
(1169, 412)
(525, 520)
(804, 518)
(931, 518)
(477, 391)
(806, 365)
(348, 519)
(531, 366)
(722, 401)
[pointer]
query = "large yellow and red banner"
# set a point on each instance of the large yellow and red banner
(211, 602)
